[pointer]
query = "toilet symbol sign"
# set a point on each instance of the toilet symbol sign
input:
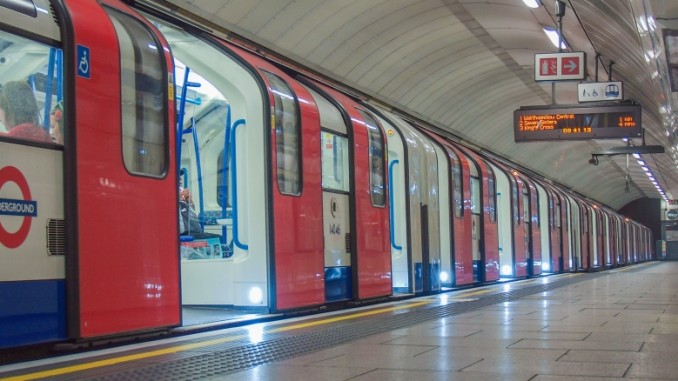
(559, 66)
(82, 64)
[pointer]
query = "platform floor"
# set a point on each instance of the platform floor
(620, 324)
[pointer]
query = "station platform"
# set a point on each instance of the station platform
(620, 324)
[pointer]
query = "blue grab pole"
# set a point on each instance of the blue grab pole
(234, 192)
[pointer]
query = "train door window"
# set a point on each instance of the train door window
(457, 194)
(551, 210)
(492, 195)
(475, 195)
(143, 76)
(30, 92)
(377, 167)
(557, 212)
(514, 202)
(526, 204)
(537, 212)
(285, 119)
(334, 153)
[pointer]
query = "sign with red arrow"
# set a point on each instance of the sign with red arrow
(559, 66)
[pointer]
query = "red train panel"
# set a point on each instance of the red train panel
(126, 277)
(490, 240)
(297, 219)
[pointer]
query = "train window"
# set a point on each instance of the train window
(537, 212)
(514, 202)
(457, 195)
(30, 96)
(526, 204)
(475, 195)
(377, 158)
(143, 75)
(492, 195)
(224, 185)
(287, 136)
(334, 151)
(557, 213)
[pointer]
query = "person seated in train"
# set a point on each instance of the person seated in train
(189, 223)
(55, 128)
(19, 112)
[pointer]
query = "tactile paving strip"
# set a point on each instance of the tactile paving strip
(280, 346)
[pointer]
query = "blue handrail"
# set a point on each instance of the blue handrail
(224, 173)
(182, 108)
(390, 204)
(234, 169)
(48, 88)
(60, 74)
(196, 146)
(180, 117)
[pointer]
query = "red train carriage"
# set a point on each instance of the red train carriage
(283, 183)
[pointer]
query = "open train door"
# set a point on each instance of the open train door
(121, 191)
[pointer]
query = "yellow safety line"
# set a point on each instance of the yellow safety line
(186, 347)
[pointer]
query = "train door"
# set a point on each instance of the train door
(445, 215)
(247, 133)
(438, 225)
(572, 217)
(585, 233)
(575, 237)
(601, 245)
(533, 228)
(566, 248)
(521, 238)
(400, 194)
(427, 177)
(557, 234)
(122, 183)
(504, 232)
(545, 205)
(462, 225)
(431, 213)
(337, 214)
(32, 230)
(371, 234)
(614, 248)
(593, 237)
(491, 228)
(475, 209)
(488, 263)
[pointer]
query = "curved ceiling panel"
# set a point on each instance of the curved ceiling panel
(464, 66)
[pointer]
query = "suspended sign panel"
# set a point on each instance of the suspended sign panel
(534, 123)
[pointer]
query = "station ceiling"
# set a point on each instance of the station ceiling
(464, 67)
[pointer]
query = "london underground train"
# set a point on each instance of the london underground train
(156, 176)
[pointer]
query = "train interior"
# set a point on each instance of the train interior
(223, 254)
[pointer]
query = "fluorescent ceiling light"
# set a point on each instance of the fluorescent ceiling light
(532, 3)
(552, 33)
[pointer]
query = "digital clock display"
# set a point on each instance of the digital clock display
(576, 123)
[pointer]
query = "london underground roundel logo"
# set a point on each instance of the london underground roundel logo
(25, 208)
